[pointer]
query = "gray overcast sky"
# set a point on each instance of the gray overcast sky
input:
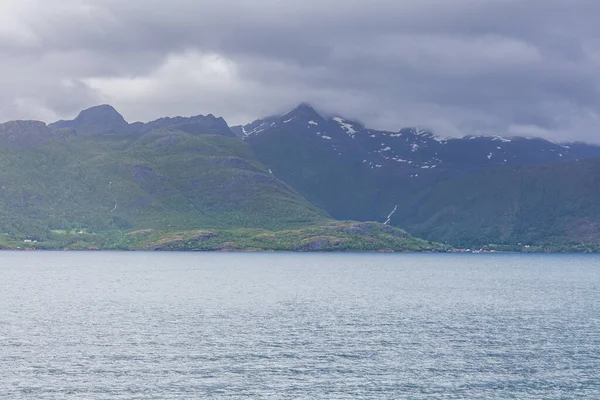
(509, 67)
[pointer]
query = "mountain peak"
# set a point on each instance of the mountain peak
(303, 111)
(304, 106)
(104, 115)
(94, 120)
(105, 109)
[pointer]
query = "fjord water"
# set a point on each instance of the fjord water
(313, 326)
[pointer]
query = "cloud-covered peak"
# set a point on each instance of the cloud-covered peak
(304, 112)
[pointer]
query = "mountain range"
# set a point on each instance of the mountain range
(299, 181)
(468, 192)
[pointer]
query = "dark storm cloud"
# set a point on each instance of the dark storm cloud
(492, 66)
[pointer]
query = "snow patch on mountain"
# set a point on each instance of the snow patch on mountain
(349, 128)
(429, 135)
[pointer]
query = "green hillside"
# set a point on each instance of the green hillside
(193, 181)
(165, 189)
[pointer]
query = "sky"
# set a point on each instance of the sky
(502, 67)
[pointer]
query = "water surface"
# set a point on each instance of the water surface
(298, 326)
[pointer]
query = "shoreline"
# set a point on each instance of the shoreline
(271, 251)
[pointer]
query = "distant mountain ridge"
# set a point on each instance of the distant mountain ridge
(104, 119)
(417, 147)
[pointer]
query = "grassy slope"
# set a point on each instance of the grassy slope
(329, 236)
